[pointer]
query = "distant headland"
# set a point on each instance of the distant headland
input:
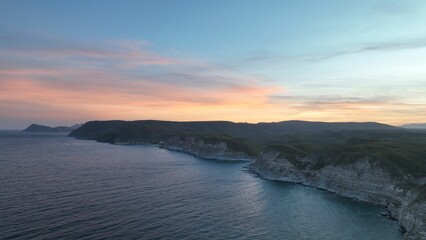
(46, 129)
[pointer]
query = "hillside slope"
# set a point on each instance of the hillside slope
(152, 131)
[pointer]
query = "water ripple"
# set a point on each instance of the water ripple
(55, 187)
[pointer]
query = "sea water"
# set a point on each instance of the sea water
(56, 187)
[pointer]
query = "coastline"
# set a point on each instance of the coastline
(386, 214)
(395, 209)
(357, 198)
(393, 212)
(206, 158)
(361, 181)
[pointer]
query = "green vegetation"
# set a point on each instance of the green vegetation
(422, 194)
(398, 150)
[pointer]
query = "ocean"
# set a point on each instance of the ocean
(56, 187)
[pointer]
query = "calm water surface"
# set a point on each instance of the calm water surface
(56, 187)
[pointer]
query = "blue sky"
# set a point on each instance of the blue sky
(309, 60)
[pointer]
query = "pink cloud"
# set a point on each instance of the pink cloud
(107, 95)
(129, 81)
(127, 53)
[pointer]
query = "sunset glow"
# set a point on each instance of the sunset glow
(275, 67)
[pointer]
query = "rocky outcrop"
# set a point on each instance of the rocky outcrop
(219, 150)
(364, 179)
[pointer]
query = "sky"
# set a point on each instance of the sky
(67, 62)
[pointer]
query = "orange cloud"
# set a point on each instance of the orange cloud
(165, 101)
(386, 111)
(128, 99)
(72, 84)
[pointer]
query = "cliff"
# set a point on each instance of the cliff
(363, 177)
(226, 149)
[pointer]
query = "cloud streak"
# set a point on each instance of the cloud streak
(127, 80)
(388, 109)
(267, 57)
(138, 83)
(409, 44)
(129, 54)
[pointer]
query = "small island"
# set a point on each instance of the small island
(46, 129)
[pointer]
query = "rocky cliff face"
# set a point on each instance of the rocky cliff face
(364, 179)
(219, 150)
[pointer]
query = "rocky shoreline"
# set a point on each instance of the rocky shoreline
(363, 180)
(206, 150)
(370, 162)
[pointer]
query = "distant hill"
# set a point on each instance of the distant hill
(41, 128)
(152, 131)
(414, 126)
